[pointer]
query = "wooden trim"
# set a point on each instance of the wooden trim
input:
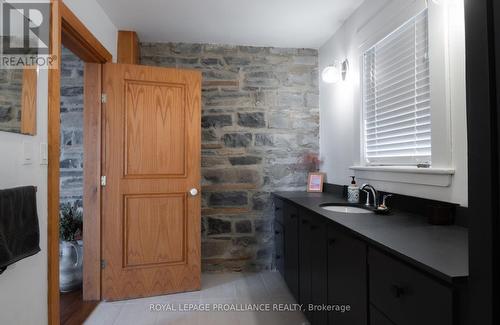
(76, 37)
(68, 29)
(128, 47)
(91, 181)
(53, 166)
(28, 102)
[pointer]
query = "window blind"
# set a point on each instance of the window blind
(396, 97)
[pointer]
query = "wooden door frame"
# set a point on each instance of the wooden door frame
(65, 27)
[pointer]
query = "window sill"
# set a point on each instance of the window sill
(441, 177)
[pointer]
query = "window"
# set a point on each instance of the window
(396, 97)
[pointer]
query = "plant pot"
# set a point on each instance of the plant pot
(70, 266)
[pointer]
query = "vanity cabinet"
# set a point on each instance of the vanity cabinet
(279, 240)
(324, 263)
(279, 247)
(377, 318)
(347, 273)
(291, 239)
(313, 265)
(286, 230)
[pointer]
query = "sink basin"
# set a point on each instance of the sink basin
(345, 209)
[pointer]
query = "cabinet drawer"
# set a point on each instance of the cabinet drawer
(405, 295)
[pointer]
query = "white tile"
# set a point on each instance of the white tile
(169, 318)
(275, 318)
(222, 288)
(222, 318)
(104, 314)
(193, 297)
(252, 287)
(135, 314)
(275, 284)
(210, 280)
(219, 285)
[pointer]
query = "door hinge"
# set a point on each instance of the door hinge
(104, 98)
(103, 180)
(103, 264)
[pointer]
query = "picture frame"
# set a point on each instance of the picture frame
(315, 182)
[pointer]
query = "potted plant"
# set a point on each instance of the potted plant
(70, 248)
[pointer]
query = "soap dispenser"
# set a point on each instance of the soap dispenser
(353, 191)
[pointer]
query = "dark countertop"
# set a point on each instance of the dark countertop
(439, 250)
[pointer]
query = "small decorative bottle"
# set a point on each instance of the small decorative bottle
(353, 192)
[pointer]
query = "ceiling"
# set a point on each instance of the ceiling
(278, 23)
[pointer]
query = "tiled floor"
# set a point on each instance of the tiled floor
(239, 289)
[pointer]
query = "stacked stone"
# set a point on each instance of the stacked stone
(71, 161)
(260, 116)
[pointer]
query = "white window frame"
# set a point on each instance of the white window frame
(441, 170)
(410, 27)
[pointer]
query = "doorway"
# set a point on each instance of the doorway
(74, 310)
(142, 128)
(68, 31)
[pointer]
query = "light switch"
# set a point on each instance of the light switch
(44, 154)
(27, 153)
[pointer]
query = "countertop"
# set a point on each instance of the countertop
(439, 250)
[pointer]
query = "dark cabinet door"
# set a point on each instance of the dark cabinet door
(318, 253)
(291, 248)
(347, 278)
(313, 266)
(279, 248)
(305, 295)
(278, 210)
(376, 318)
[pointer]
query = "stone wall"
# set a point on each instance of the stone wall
(71, 162)
(11, 84)
(260, 117)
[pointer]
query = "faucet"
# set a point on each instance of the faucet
(374, 193)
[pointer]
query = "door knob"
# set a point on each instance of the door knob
(193, 192)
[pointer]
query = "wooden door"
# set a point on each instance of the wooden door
(151, 160)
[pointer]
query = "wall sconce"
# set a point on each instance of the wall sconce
(335, 72)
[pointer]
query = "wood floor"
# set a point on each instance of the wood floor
(74, 311)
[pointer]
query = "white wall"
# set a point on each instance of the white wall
(23, 286)
(97, 21)
(340, 103)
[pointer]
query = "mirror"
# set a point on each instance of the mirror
(18, 83)
(18, 100)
